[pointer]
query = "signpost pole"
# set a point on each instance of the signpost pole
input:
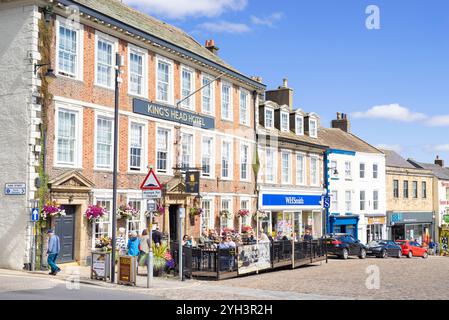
(150, 254)
(180, 265)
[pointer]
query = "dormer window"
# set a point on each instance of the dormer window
(284, 121)
(313, 128)
(269, 118)
(299, 125)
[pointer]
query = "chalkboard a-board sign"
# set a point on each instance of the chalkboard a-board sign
(127, 270)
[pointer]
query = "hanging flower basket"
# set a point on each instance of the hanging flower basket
(243, 212)
(127, 212)
(225, 214)
(260, 214)
(52, 209)
(103, 244)
(195, 212)
(93, 213)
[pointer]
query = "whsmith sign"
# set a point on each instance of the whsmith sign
(172, 114)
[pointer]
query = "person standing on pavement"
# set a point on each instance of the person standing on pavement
(120, 243)
(133, 245)
(54, 247)
(144, 248)
(157, 237)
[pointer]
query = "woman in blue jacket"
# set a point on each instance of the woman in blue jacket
(133, 245)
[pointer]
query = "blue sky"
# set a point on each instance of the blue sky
(393, 82)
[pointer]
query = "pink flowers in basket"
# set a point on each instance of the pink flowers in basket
(52, 209)
(95, 212)
(243, 212)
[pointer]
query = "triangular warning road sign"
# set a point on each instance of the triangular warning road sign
(151, 182)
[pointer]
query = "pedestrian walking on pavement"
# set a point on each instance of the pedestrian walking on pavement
(54, 247)
(133, 245)
(144, 248)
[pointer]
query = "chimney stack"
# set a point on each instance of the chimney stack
(210, 45)
(439, 162)
(283, 95)
(342, 122)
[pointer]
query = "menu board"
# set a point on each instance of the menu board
(254, 257)
(127, 273)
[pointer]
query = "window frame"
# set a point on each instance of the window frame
(212, 93)
(212, 156)
(299, 117)
(363, 206)
(274, 165)
(78, 152)
(114, 44)
(360, 170)
(313, 157)
(191, 100)
(230, 160)
(304, 169)
(169, 160)
(171, 73)
(396, 189)
(289, 173)
(133, 49)
(79, 29)
(348, 201)
(192, 160)
(109, 222)
(231, 104)
(315, 133)
(230, 209)
(271, 110)
(246, 121)
(211, 223)
(248, 161)
(286, 114)
(144, 154)
(109, 117)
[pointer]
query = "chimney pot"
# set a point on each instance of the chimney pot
(342, 122)
(210, 45)
(285, 81)
(439, 161)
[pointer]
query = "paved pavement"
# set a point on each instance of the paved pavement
(371, 278)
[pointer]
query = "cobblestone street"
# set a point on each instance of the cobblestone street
(414, 278)
(404, 278)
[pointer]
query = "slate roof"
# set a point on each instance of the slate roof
(338, 139)
(438, 171)
(143, 22)
(393, 159)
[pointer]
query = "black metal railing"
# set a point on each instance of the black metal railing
(216, 263)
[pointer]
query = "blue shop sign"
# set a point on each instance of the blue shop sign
(172, 114)
(292, 200)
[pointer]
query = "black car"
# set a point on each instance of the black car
(344, 245)
(384, 248)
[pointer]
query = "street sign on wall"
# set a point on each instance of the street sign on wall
(35, 215)
(151, 182)
(151, 194)
(192, 182)
(15, 189)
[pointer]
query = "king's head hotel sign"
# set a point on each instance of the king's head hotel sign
(173, 114)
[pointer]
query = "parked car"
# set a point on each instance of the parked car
(412, 249)
(384, 248)
(344, 245)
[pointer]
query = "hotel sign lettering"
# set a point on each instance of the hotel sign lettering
(173, 114)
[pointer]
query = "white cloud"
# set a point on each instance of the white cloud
(267, 21)
(391, 112)
(438, 121)
(179, 9)
(394, 147)
(438, 148)
(224, 27)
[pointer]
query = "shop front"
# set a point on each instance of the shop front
(290, 214)
(375, 228)
(418, 226)
(344, 224)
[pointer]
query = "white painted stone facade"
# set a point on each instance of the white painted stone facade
(341, 183)
(19, 123)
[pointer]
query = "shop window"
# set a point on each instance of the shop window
(102, 226)
(135, 223)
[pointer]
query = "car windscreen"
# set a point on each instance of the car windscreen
(377, 243)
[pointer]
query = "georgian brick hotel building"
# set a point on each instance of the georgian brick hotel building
(162, 65)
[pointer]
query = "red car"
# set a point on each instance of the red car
(412, 249)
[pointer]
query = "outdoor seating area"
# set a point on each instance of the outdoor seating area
(224, 263)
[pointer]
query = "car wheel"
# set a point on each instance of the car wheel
(410, 254)
(345, 254)
(362, 254)
(399, 256)
(425, 255)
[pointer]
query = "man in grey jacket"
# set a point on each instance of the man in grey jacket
(54, 246)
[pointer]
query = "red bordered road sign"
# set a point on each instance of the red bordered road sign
(151, 182)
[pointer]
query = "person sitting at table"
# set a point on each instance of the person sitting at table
(204, 239)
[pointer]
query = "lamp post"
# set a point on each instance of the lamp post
(118, 64)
